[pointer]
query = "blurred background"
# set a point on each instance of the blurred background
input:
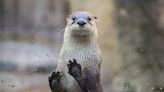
(131, 36)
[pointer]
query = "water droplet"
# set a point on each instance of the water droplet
(141, 50)
(152, 88)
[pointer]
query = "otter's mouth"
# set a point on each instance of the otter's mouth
(81, 32)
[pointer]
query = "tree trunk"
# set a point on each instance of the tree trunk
(28, 18)
(2, 15)
(141, 46)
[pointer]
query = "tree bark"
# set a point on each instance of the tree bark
(141, 46)
(2, 14)
(28, 18)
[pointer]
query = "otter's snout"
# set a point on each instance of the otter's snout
(81, 23)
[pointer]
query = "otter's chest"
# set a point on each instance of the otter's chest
(84, 56)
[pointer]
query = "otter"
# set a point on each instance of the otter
(78, 69)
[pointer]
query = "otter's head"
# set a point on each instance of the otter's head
(81, 24)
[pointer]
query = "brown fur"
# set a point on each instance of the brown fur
(82, 45)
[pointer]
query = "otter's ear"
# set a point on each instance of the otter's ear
(95, 17)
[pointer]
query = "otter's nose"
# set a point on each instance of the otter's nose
(81, 23)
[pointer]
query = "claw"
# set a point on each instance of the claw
(70, 61)
(54, 81)
(74, 68)
(74, 60)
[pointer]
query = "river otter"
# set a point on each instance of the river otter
(78, 69)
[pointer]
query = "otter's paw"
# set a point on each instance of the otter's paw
(54, 81)
(74, 69)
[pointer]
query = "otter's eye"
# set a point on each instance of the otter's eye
(95, 17)
(73, 18)
(89, 18)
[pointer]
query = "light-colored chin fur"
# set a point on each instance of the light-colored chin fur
(80, 37)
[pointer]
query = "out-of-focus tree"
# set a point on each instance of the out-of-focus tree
(141, 46)
(1, 14)
(24, 18)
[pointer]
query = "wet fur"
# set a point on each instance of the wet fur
(81, 45)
